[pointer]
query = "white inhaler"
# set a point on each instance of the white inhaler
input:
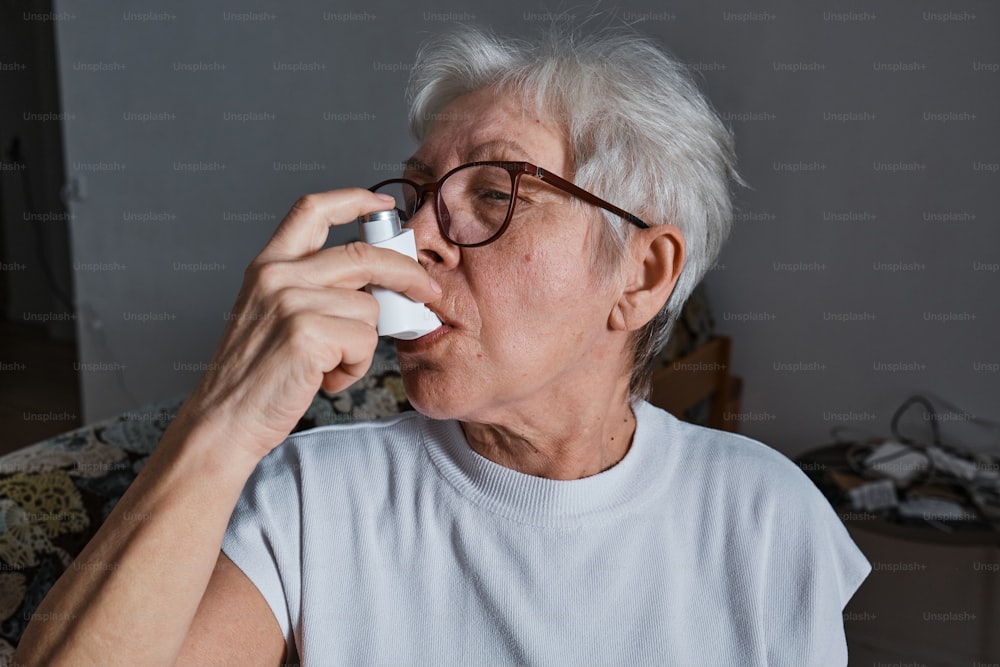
(398, 316)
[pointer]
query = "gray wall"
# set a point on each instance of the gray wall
(850, 170)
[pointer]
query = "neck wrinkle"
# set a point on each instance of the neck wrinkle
(582, 450)
(540, 501)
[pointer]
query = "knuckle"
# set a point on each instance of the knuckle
(269, 277)
(369, 336)
(305, 204)
(252, 271)
(358, 252)
(300, 328)
(285, 303)
(369, 309)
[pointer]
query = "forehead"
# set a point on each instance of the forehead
(486, 125)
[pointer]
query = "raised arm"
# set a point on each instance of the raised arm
(300, 322)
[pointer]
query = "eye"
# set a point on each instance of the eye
(492, 196)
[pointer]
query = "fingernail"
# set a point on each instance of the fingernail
(384, 197)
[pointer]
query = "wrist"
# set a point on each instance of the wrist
(205, 440)
(233, 421)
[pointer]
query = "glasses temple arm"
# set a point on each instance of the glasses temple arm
(589, 197)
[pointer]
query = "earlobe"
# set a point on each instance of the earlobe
(656, 262)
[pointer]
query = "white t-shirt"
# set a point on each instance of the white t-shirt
(394, 543)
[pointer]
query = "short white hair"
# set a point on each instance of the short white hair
(640, 135)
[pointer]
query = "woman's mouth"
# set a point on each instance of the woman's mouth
(425, 341)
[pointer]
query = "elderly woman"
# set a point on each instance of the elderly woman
(566, 197)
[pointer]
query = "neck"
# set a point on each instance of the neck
(566, 443)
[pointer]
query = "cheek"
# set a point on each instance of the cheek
(536, 282)
(537, 294)
(505, 294)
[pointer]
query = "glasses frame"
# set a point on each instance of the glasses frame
(516, 171)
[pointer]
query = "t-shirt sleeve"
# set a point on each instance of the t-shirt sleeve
(264, 535)
(814, 569)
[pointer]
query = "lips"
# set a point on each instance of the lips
(444, 320)
(424, 342)
(428, 340)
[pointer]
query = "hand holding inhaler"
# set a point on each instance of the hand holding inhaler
(399, 316)
(301, 321)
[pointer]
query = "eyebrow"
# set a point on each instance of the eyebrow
(495, 149)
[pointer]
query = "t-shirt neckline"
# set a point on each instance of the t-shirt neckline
(548, 502)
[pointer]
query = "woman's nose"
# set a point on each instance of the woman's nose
(432, 247)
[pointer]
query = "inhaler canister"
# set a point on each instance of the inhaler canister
(398, 316)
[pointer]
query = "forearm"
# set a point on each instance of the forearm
(131, 594)
(300, 322)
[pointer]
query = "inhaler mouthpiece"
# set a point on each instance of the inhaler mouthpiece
(398, 316)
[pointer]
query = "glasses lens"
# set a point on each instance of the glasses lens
(405, 196)
(474, 203)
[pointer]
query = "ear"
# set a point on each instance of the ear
(655, 258)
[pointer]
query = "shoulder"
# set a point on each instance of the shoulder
(740, 464)
(343, 462)
(767, 506)
(762, 498)
(336, 443)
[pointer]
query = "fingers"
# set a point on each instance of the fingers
(304, 230)
(297, 248)
(301, 322)
(347, 304)
(355, 359)
(356, 265)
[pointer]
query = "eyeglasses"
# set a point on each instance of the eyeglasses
(475, 201)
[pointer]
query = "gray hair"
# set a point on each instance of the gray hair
(640, 135)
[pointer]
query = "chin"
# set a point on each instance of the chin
(432, 396)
